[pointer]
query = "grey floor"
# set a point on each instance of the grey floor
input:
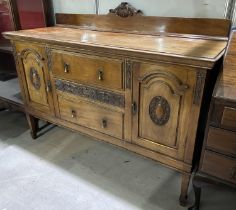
(63, 170)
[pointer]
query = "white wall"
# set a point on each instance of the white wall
(179, 8)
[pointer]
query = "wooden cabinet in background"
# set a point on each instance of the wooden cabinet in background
(122, 83)
(16, 15)
(218, 158)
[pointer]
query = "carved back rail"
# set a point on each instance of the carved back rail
(147, 24)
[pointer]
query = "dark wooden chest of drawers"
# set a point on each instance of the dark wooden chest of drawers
(115, 80)
(218, 158)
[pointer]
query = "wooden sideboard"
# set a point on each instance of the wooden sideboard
(134, 81)
(218, 158)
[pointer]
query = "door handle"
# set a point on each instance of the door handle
(134, 108)
(48, 87)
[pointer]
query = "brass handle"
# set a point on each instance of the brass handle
(73, 113)
(66, 68)
(233, 173)
(134, 108)
(104, 123)
(48, 87)
(100, 74)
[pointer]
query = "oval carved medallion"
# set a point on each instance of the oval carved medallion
(159, 110)
(35, 78)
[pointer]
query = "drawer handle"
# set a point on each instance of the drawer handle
(73, 113)
(100, 74)
(233, 173)
(104, 123)
(66, 68)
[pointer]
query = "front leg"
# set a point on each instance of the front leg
(197, 186)
(33, 124)
(184, 189)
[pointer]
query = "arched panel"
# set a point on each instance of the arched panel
(35, 77)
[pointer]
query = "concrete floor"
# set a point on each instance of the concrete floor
(63, 170)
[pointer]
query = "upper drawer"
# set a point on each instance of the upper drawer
(100, 71)
(222, 140)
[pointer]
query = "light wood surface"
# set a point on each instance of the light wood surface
(88, 69)
(189, 48)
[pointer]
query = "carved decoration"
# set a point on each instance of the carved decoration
(49, 57)
(91, 93)
(177, 87)
(34, 78)
(125, 10)
(128, 74)
(38, 58)
(159, 110)
(15, 54)
(200, 81)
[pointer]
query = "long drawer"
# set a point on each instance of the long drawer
(219, 166)
(92, 116)
(222, 140)
(100, 71)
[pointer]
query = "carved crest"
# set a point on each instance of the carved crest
(125, 10)
(159, 110)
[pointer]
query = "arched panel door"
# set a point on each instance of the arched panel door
(35, 77)
(163, 98)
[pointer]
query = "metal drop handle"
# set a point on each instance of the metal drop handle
(73, 113)
(66, 68)
(104, 123)
(100, 74)
(233, 173)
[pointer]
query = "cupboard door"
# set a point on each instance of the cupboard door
(162, 100)
(35, 77)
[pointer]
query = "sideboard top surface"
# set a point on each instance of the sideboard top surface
(208, 50)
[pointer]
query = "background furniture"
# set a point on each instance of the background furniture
(218, 158)
(16, 15)
(115, 78)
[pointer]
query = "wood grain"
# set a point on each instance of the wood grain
(85, 69)
(222, 141)
(92, 116)
(219, 166)
(147, 24)
(196, 49)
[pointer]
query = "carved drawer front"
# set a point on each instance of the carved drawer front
(92, 116)
(163, 104)
(34, 75)
(219, 166)
(222, 140)
(88, 69)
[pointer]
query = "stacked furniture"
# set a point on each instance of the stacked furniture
(134, 81)
(218, 158)
(16, 15)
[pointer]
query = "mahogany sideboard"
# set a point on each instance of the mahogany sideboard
(131, 80)
(218, 158)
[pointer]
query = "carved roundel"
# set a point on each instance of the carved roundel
(35, 78)
(159, 110)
